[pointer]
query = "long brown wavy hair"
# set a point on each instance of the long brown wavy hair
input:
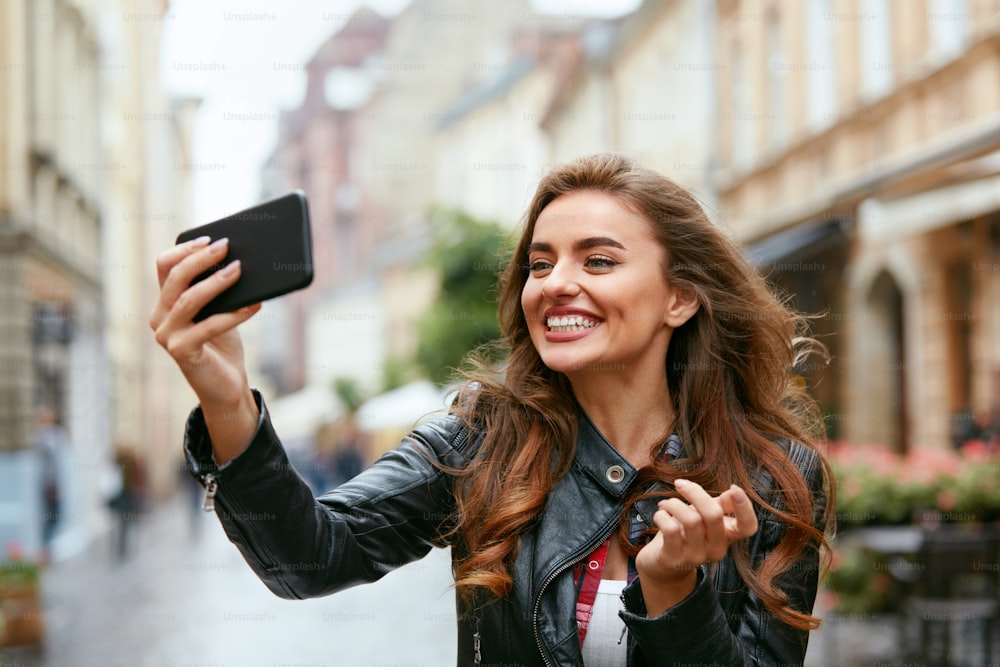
(732, 408)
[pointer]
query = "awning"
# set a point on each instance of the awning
(800, 242)
(297, 416)
(401, 407)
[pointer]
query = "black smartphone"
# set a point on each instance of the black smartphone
(274, 245)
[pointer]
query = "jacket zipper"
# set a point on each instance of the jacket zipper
(211, 483)
(211, 488)
(477, 656)
(605, 534)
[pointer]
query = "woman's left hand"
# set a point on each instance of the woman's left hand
(690, 534)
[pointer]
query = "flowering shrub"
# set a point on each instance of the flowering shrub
(16, 573)
(878, 486)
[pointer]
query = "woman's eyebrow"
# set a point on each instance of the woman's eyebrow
(582, 244)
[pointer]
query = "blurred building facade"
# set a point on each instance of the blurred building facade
(75, 267)
(640, 86)
(317, 151)
(362, 146)
(51, 283)
(147, 201)
(857, 157)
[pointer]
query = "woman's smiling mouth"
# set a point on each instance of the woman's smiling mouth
(567, 323)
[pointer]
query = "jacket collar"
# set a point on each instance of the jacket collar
(597, 458)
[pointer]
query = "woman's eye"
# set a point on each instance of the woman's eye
(600, 262)
(538, 265)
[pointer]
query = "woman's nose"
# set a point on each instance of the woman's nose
(561, 281)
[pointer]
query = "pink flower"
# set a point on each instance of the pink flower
(14, 550)
(946, 500)
(977, 451)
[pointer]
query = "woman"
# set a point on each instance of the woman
(635, 485)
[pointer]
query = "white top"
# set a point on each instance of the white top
(605, 644)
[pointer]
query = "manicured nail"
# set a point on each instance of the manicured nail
(219, 245)
(229, 270)
(198, 242)
(681, 483)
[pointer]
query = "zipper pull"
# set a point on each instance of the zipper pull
(624, 627)
(477, 657)
(211, 488)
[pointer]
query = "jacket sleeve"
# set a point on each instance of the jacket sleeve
(301, 546)
(704, 628)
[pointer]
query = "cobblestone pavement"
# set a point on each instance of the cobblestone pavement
(189, 600)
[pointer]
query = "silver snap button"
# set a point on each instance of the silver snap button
(615, 474)
(593, 565)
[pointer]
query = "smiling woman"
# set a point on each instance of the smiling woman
(624, 305)
(639, 465)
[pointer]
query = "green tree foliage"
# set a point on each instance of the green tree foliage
(468, 254)
(349, 392)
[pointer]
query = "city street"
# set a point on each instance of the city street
(186, 600)
(184, 597)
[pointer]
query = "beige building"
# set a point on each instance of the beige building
(362, 146)
(857, 157)
(642, 85)
(302, 336)
(489, 151)
(81, 218)
(489, 147)
(147, 201)
(51, 274)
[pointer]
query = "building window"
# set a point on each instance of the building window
(876, 50)
(948, 22)
(740, 114)
(776, 83)
(819, 68)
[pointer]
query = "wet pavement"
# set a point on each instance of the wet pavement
(187, 599)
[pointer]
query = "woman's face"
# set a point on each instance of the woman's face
(596, 298)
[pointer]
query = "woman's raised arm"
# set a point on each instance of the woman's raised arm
(209, 353)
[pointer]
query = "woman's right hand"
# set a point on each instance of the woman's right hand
(209, 353)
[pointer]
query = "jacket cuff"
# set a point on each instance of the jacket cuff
(198, 454)
(680, 630)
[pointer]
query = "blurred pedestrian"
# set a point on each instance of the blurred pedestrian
(635, 484)
(193, 495)
(129, 504)
(51, 442)
(348, 458)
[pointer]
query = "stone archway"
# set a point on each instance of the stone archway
(883, 351)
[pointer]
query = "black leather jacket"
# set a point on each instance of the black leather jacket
(392, 513)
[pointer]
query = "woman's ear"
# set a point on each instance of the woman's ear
(681, 306)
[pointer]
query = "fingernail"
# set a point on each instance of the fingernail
(681, 483)
(229, 270)
(219, 245)
(200, 241)
(739, 498)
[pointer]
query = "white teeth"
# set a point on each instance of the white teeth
(570, 323)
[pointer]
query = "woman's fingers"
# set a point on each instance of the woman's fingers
(194, 298)
(742, 519)
(180, 272)
(185, 345)
(187, 269)
(169, 257)
(706, 525)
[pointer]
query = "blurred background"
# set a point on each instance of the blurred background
(850, 145)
